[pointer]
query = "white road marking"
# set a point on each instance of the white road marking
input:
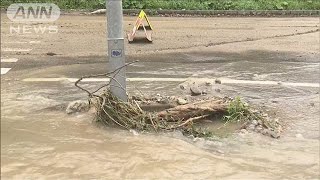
(9, 60)
(223, 81)
(16, 42)
(23, 42)
(5, 70)
(15, 50)
(295, 84)
(35, 42)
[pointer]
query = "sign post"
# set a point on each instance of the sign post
(116, 54)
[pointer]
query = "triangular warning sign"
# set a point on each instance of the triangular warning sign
(139, 25)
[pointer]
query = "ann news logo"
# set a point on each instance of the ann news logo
(33, 18)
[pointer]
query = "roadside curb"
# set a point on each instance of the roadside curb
(248, 13)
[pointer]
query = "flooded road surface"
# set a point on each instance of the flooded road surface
(53, 146)
(39, 141)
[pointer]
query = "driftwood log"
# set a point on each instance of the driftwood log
(198, 109)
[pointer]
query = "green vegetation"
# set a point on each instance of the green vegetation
(237, 111)
(185, 4)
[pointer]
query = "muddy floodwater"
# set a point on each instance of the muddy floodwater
(42, 143)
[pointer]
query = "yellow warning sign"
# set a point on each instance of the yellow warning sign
(143, 15)
(139, 25)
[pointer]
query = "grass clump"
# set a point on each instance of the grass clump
(237, 111)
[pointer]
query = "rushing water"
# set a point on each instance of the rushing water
(48, 144)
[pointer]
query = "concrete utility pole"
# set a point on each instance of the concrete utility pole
(116, 52)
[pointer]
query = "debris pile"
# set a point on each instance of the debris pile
(129, 115)
(176, 113)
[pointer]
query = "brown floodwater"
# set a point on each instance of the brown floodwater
(39, 143)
